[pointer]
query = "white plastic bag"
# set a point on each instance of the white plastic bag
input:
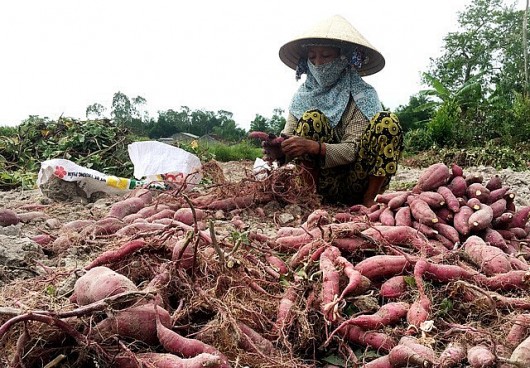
(152, 158)
(261, 169)
(155, 164)
(90, 181)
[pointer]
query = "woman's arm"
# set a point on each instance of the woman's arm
(290, 125)
(349, 131)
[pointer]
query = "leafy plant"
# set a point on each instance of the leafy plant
(97, 144)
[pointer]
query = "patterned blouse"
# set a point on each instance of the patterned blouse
(348, 132)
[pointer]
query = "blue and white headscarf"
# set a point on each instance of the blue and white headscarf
(328, 88)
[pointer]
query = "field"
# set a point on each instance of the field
(219, 273)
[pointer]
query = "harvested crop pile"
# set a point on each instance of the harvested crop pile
(436, 274)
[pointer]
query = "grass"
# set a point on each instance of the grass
(235, 152)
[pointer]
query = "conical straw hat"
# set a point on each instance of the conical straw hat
(335, 31)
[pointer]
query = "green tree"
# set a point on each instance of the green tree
(260, 123)
(416, 114)
(95, 111)
(273, 125)
(277, 121)
(130, 112)
(227, 128)
(483, 67)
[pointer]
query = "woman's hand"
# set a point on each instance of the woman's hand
(297, 146)
(272, 149)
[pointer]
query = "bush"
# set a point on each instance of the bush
(240, 151)
(417, 140)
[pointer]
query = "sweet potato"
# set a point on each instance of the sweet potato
(514, 279)
(403, 217)
(443, 272)
(99, 283)
(490, 259)
(330, 282)
(448, 231)
(389, 313)
(458, 186)
(387, 217)
(518, 232)
(8, 217)
(162, 214)
(106, 226)
(456, 170)
(114, 255)
(432, 177)
(499, 193)
(503, 221)
(284, 313)
(520, 218)
(498, 207)
(357, 283)
(316, 218)
(385, 198)
(428, 231)
(381, 362)
(243, 201)
(182, 252)
(148, 211)
(474, 178)
(31, 216)
(138, 322)
(76, 225)
(494, 238)
(394, 287)
(449, 198)
(253, 341)
(419, 311)
(260, 135)
(126, 207)
(481, 356)
(421, 211)
(433, 199)
(519, 330)
(42, 239)
(398, 200)
(140, 227)
(407, 356)
(521, 354)
(185, 215)
(479, 191)
(374, 339)
(445, 215)
(374, 215)
(494, 182)
(480, 219)
(289, 231)
(277, 263)
(186, 347)
(461, 220)
(382, 266)
(474, 203)
(165, 360)
(291, 243)
(452, 356)
(400, 235)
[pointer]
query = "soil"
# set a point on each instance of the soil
(59, 203)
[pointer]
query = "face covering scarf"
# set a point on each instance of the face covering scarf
(328, 88)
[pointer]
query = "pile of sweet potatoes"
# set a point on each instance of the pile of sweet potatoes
(434, 276)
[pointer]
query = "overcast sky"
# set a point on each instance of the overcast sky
(59, 56)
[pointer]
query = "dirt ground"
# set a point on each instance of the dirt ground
(44, 212)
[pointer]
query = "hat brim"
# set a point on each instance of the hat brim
(291, 52)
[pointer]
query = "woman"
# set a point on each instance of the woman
(336, 128)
